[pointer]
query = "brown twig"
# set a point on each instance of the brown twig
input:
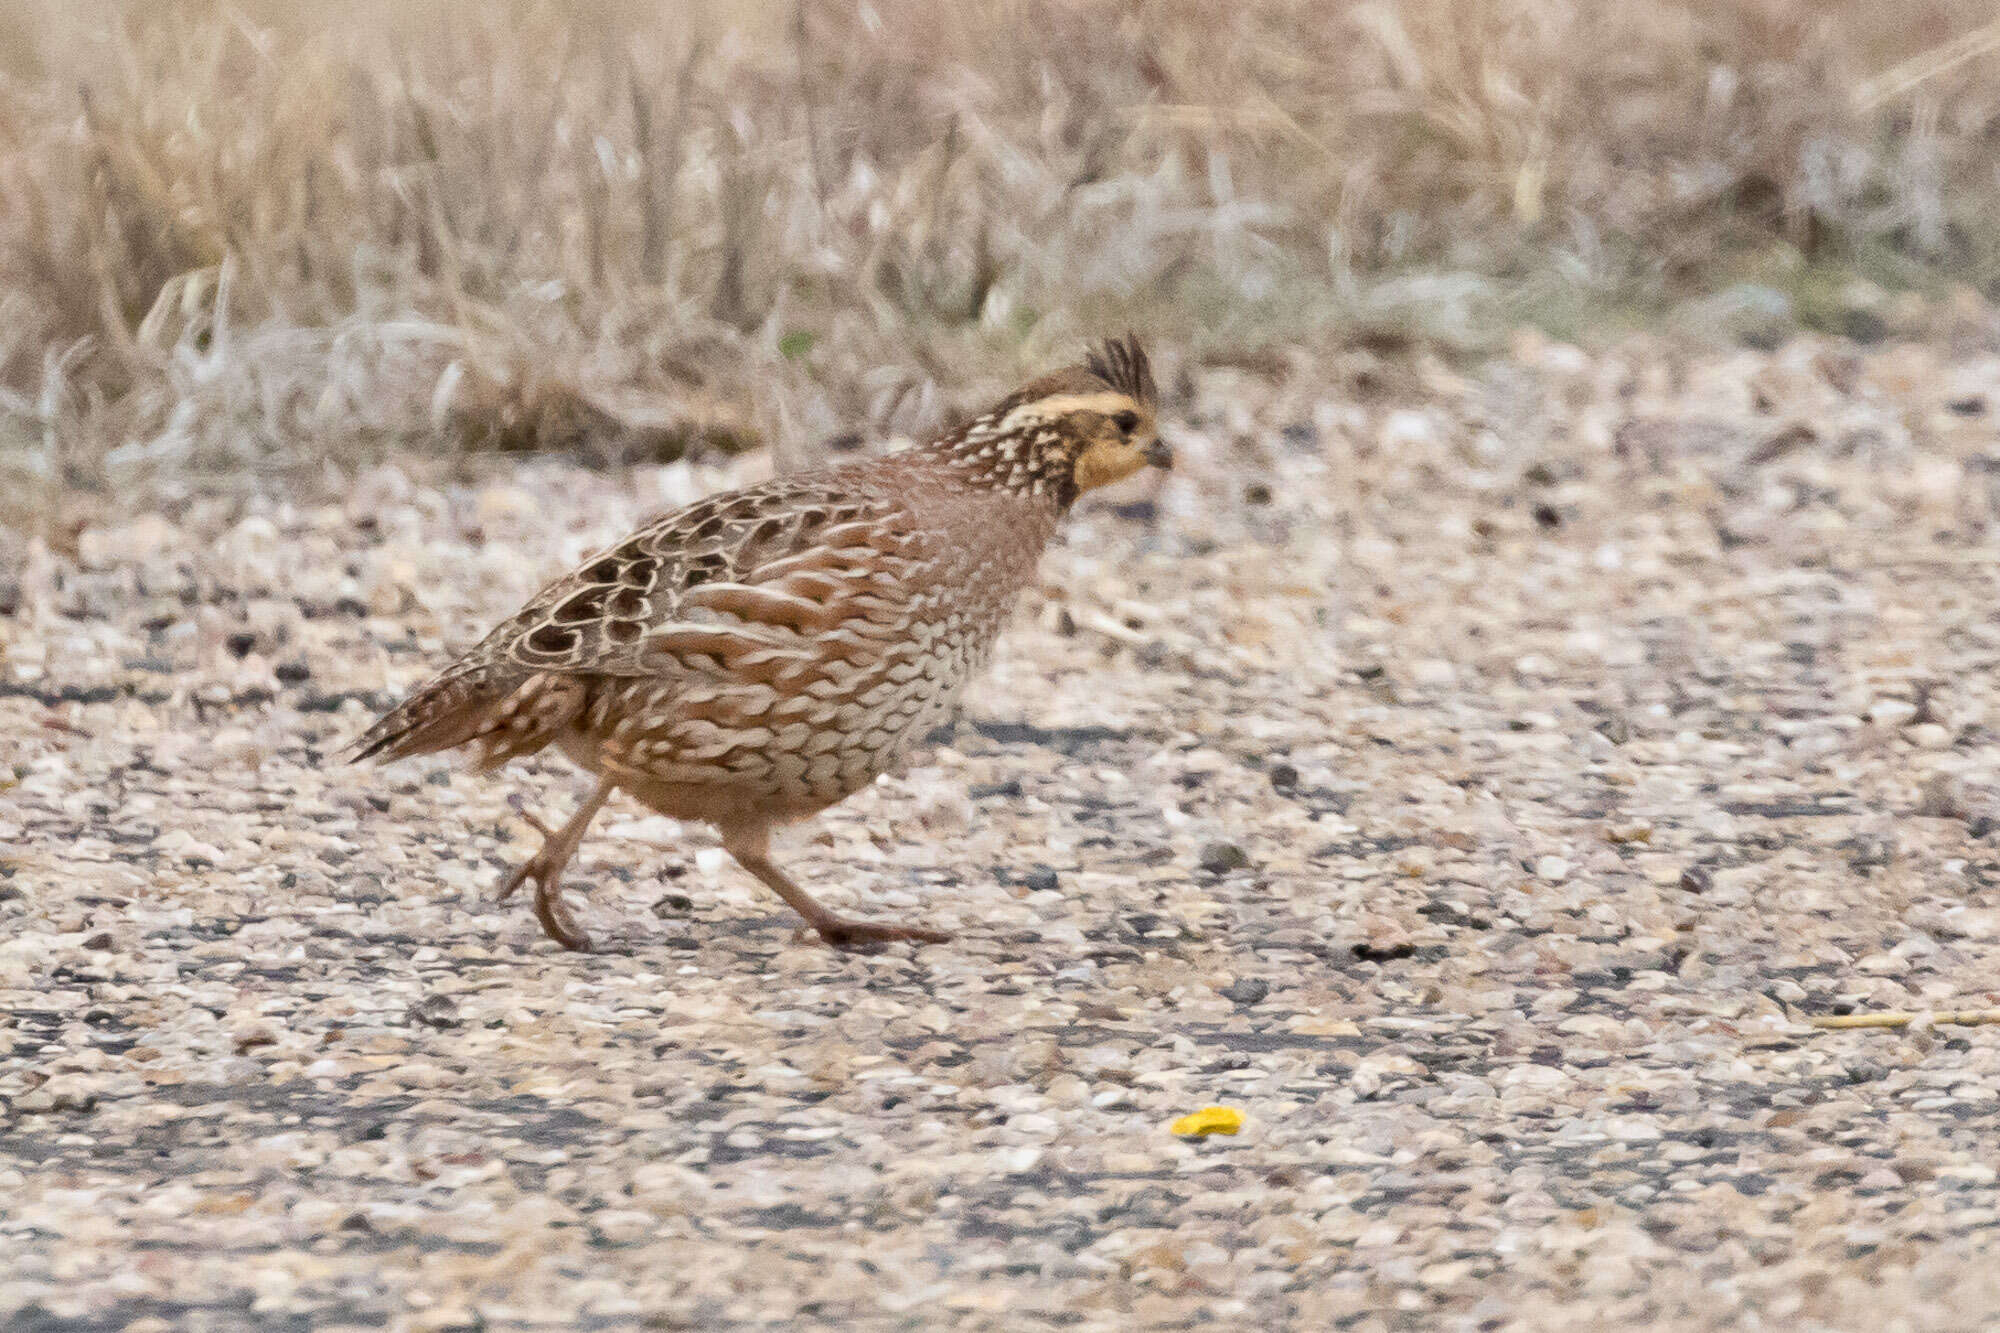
(1897, 1018)
(806, 100)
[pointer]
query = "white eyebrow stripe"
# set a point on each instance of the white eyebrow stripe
(1062, 404)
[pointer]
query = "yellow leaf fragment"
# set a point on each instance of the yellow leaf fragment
(1209, 1120)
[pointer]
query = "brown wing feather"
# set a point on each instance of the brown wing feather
(602, 617)
(740, 589)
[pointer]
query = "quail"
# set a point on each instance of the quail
(751, 659)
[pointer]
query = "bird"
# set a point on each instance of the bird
(753, 658)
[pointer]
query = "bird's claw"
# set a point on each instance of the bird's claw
(529, 817)
(550, 909)
(557, 923)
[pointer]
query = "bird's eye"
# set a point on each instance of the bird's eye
(1126, 422)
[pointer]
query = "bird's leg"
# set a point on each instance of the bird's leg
(545, 867)
(752, 850)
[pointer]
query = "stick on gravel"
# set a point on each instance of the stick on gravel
(1897, 1018)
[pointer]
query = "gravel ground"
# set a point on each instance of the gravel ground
(1478, 779)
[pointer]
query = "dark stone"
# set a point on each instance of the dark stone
(1219, 858)
(436, 1011)
(1864, 326)
(1370, 953)
(1813, 809)
(1696, 879)
(66, 694)
(1246, 990)
(1068, 740)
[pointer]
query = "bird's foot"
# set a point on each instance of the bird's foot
(550, 909)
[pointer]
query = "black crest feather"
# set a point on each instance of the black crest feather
(1122, 364)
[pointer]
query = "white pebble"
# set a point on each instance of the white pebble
(1891, 712)
(1434, 673)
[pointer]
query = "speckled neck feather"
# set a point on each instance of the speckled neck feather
(1020, 451)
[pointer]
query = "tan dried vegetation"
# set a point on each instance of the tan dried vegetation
(241, 235)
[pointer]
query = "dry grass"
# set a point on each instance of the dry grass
(232, 235)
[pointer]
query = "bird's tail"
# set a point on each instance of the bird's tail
(502, 711)
(446, 711)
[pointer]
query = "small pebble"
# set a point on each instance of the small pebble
(1942, 797)
(1219, 858)
(1434, 673)
(1246, 990)
(1891, 712)
(437, 1011)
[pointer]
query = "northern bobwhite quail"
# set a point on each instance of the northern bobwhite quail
(750, 660)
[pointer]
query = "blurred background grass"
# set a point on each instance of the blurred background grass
(260, 234)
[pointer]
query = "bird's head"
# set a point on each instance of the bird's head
(1082, 427)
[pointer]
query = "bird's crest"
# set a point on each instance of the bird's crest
(1122, 364)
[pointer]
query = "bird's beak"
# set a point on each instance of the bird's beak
(1158, 455)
